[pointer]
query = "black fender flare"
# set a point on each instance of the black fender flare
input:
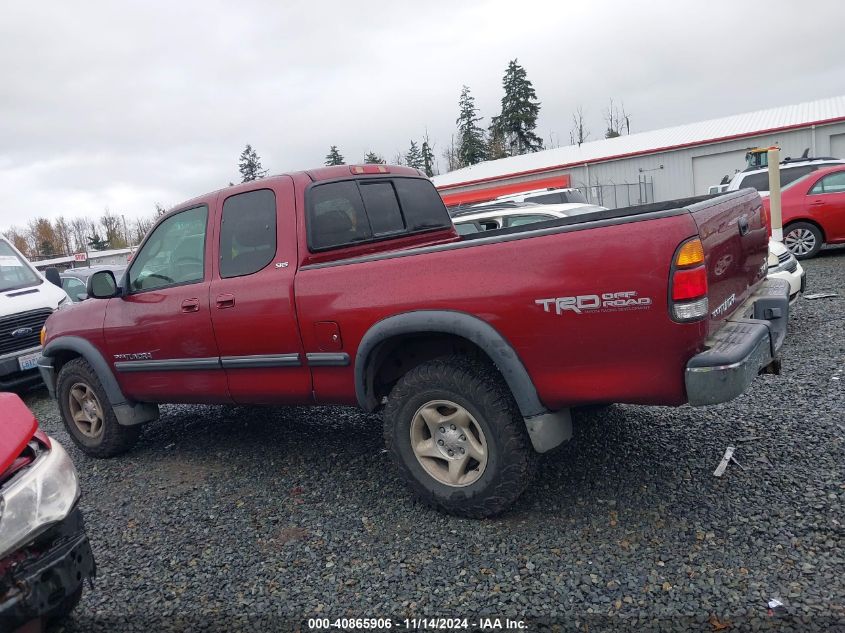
(91, 354)
(460, 324)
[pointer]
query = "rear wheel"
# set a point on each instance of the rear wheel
(88, 414)
(457, 436)
(803, 239)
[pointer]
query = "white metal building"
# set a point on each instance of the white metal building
(113, 257)
(662, 164)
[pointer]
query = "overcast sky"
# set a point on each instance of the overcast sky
(122, 105)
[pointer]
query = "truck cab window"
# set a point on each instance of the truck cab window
(247, 233)
(382, 207)
(343, 213)
(336, 216)
(174, 254)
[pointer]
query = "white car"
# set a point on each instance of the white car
(566, 195)
(26, 300)
(790, 170)
(505, 215)
(783, 265)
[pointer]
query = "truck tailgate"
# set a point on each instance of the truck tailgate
(735, 235)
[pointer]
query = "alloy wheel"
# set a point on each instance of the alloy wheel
(85, 409)
(449, 443)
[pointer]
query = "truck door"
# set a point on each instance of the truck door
(826, 202)
(252, 301)
(159, 333)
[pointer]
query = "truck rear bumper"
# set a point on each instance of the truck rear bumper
(747, 343)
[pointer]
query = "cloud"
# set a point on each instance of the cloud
(122, 105)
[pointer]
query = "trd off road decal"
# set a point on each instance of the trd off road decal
(606, 302)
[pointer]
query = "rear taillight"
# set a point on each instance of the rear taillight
(688, 282)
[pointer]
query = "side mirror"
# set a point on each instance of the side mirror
(101, 285)
(81, 296)
(52, 275)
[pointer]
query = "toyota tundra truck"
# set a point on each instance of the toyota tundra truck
(349, 285)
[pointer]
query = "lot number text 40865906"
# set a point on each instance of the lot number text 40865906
(415, 624)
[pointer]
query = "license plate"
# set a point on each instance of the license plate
(30, 361)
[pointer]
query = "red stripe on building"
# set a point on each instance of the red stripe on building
(491, 193)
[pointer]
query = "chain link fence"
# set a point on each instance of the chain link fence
(614, 196)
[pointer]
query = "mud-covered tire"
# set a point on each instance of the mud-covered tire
(112, 438)
(480, 390)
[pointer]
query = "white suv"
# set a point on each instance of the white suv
(790, 170)
(540, 196)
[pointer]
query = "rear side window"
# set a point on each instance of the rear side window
(832, 183)
(247, 233)
(760, 181)
(520, 220)
(546, 198)
(574, 197)
(791, 175)
(351, 211)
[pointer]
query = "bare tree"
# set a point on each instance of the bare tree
(451, 156)
(579, 132)
(112, 229)
(617, 120)
(141, 228)
(62, 229)
(80, 229)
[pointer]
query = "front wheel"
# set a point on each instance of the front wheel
(803, 239)
(88, 414)
(456, 434)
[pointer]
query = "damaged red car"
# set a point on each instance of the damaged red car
(45, 556)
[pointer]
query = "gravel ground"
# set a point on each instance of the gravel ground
(245, 518)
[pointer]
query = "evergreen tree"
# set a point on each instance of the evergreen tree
(96, 243)
(471, 149)
(427, 158)
(520, 108)
(414, 157)
(495, 144)
(250, 165)
(373, 159)
(334, 157)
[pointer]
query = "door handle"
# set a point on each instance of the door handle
(191, 305)
(815, 202)
(743, 225)
(225, 301)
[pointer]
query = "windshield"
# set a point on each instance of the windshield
(14, 271)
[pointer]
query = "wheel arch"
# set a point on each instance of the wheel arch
(66, 348)
(807, 221)
(444, 327)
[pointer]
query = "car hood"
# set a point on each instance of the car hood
(43, 295)
(19, 426)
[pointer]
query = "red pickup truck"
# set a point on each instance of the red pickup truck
(350, 285)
